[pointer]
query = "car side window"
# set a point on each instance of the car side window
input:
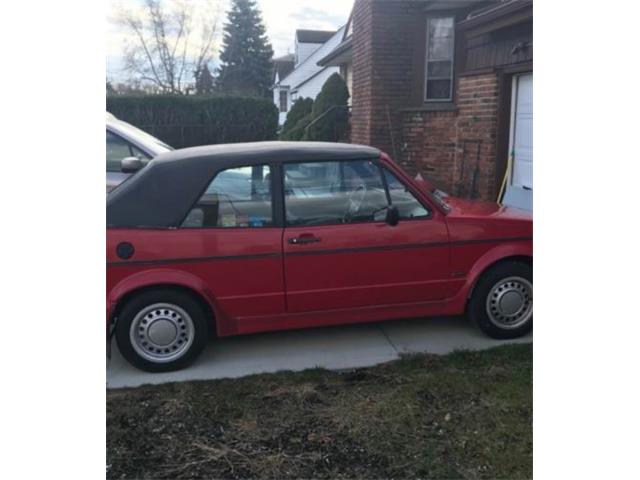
(409, 207)
(117, 149)
(326, 193)
(235, 198)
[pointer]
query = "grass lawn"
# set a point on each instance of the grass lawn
(464, 415)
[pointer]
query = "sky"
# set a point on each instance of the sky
(281, 17)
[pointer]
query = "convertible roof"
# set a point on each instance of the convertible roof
(159, 195)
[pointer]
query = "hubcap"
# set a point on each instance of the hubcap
(510, 302)
(162, 332)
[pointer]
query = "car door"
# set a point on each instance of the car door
(340, 253)
(233, 229)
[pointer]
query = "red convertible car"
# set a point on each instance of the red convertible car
(234, 239)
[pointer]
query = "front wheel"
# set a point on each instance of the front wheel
(161, 330)
(502, 302)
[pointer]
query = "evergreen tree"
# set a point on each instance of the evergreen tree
(246, 52)
(297, 119)
(330, 112)
(204, 81)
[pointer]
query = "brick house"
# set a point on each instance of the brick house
(445, 87)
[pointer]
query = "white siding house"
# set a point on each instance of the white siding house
(307, 77)
(305, 49)
(281, 98)
(341, 57)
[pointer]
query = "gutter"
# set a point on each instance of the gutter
(494, 13)
(340, 49)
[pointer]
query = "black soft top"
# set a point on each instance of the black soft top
(160, 195)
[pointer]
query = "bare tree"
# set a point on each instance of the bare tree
(163, 51)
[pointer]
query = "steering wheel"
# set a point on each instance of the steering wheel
(355, 201)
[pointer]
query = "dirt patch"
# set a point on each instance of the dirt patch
(465, 415)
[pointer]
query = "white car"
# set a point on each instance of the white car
(128, 150)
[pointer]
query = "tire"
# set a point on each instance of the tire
(161, 330)
(502, 301)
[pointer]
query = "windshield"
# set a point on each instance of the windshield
(141, 135)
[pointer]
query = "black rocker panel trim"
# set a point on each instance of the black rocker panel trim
(317, 252)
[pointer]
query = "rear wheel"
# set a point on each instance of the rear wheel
(502, 302)
(161, 330)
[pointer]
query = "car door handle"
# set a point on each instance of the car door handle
(303, 239)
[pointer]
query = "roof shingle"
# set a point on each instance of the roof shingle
(313, 36)
(282, 66)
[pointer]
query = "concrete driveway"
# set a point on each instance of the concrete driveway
(344, 347)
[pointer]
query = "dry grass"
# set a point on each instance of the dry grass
(465, 415)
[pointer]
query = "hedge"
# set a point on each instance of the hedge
(183, 121)
(330, 112)
(297, 119)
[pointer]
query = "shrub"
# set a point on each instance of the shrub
(330, 112)
(183, 121)
(297, 118)
(296, 133)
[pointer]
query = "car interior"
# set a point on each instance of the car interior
(321, 193)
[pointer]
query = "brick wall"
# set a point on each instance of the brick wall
(428, 146)
(447, 146)
(440, 144)
(362, 95)
(477, 101)
(383, 54)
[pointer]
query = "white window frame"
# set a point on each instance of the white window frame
(286, 100)
(426, 60)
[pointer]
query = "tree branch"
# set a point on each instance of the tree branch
(162, 49)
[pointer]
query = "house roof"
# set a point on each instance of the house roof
(308, 79)
(282, 66)
(308, 67)
(313, 36)
(341, 54)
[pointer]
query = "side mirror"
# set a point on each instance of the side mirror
(393, 216)
(131, 164)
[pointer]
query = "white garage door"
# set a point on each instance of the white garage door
(523, 133)
(519, 191)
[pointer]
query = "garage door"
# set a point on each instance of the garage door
(519, 192)
(523, 133)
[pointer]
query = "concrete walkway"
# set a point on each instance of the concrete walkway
(343, 347)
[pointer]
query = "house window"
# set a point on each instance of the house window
(439, 68)
(283, 100)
